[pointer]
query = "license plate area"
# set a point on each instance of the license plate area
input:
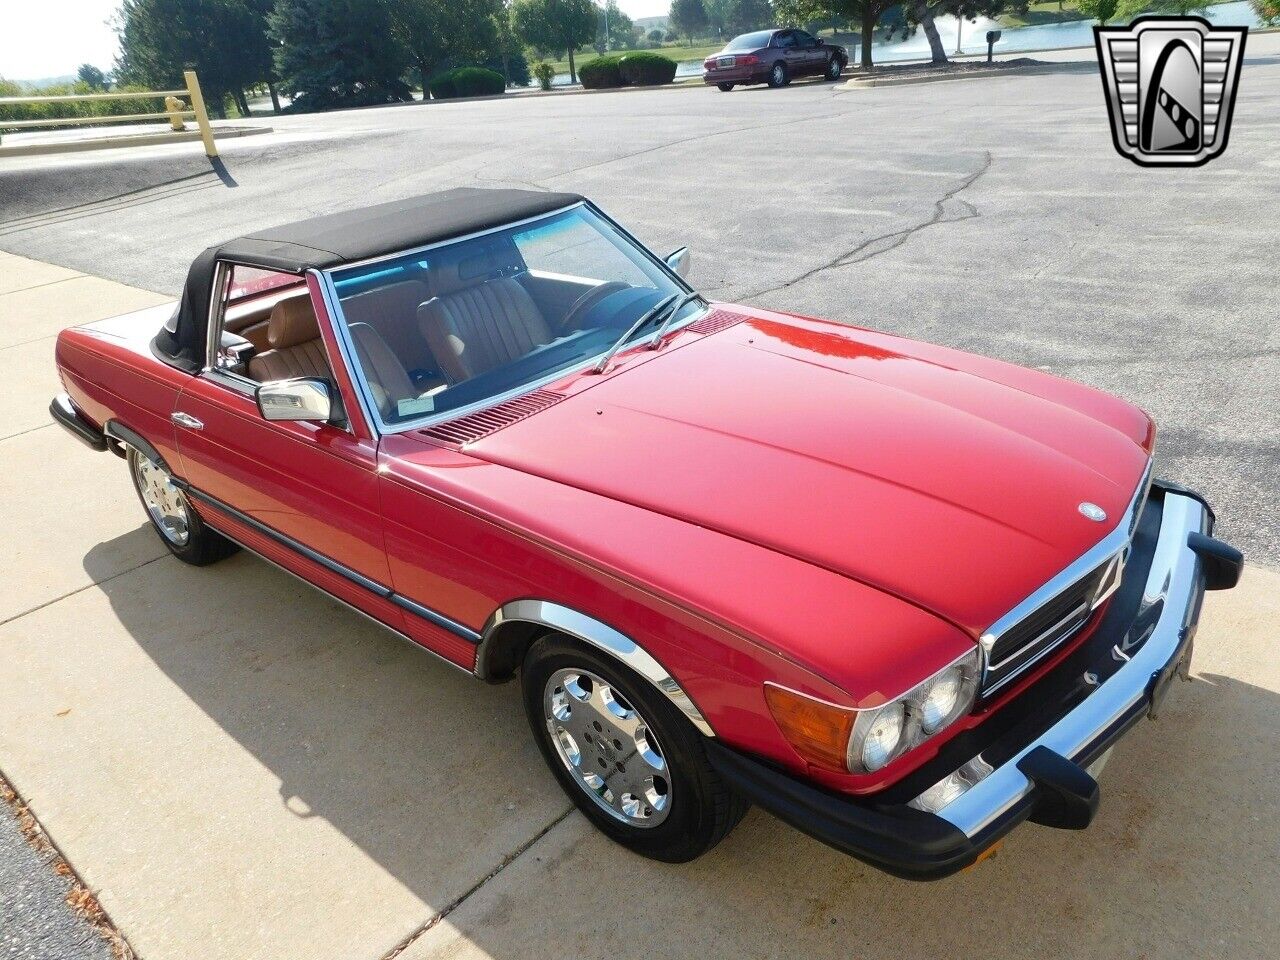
(723, 62)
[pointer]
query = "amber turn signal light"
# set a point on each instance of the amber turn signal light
(818, 731)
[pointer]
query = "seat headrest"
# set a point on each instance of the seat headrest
(457, 271)
(292, 322)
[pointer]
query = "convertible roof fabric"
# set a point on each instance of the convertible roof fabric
(329, 241)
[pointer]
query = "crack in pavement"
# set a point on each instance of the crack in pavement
(896, 238)
(509, 859)
(87, 586)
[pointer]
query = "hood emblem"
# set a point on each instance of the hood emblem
(1093, 511)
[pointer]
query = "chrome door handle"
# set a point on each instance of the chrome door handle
(186, 420)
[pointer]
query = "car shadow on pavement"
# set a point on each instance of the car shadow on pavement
(430, 772)
(433, 775)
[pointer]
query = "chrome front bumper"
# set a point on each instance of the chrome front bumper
(1159, 639)
(1040, 750)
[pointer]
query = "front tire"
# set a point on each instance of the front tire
(624, 754)
(778, 76)
(834, 69)
(171, 514)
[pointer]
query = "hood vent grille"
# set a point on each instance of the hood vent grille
(473, 426)
(715, 321)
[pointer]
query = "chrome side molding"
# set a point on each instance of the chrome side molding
(600, 635)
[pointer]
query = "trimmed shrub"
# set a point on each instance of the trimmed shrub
(466, 82)
(600, 73)
(442, 86)
(544, 73)
(644, 69)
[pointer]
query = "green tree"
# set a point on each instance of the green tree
(505, 42)
(91, 77)
(923, 12)
(441, 32)
(555, 26)
(338, 52)
(1268, 11)
(688, 17)
(1128, 9)
(865, 12)
(222, 40)
(621, 30)
(1100, 10)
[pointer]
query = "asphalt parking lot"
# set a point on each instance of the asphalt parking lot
(316, 789)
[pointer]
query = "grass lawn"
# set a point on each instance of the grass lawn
(1047, 11)
(1044, 11)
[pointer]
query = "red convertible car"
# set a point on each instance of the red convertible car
(903, 597)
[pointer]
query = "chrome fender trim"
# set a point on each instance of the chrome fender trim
(600, 635)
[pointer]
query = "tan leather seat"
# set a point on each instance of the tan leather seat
(391, 311)
(475, 321)
(296, 347)
(384, 373)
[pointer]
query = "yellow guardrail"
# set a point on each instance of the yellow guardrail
(173, 111)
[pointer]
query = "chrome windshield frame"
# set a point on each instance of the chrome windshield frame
(369, 407)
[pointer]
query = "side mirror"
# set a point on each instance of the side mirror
(304, 398)
(678, 261)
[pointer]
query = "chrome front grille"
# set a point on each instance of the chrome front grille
(1015, 649)
(1062, 607)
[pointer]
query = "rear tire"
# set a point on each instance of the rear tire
(629, 760)
(778, 76)
(177, 525)
(726, 87)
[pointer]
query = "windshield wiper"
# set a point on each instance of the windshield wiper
(645, 318)
(671, 315)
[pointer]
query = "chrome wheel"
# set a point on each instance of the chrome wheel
(608, 747)
(833, 69)
(778, 76)
(166, 504)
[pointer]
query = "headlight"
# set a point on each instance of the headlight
(861, 741)
(880, 737)
(942, 696)
(887, 732)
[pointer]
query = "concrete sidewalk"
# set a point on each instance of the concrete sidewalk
(241, 768)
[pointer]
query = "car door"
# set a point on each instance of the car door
(814, 57)
(304, 494)
(792, 55)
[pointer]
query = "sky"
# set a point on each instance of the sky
(52, 38)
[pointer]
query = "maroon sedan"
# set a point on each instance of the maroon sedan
(773, 57)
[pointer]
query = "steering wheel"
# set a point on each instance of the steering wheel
(589, 300)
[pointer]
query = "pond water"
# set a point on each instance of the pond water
(973, 38)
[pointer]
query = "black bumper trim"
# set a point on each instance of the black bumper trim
(67, 416)
(903, 841)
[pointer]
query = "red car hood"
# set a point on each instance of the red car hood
(949, 480)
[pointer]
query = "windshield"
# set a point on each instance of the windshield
(475, 319)
(750, 41)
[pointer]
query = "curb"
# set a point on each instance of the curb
(128, 140)
(1068, 66)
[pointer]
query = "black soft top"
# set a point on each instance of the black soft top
(329, 241)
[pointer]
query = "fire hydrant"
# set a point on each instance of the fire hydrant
(174, 107)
